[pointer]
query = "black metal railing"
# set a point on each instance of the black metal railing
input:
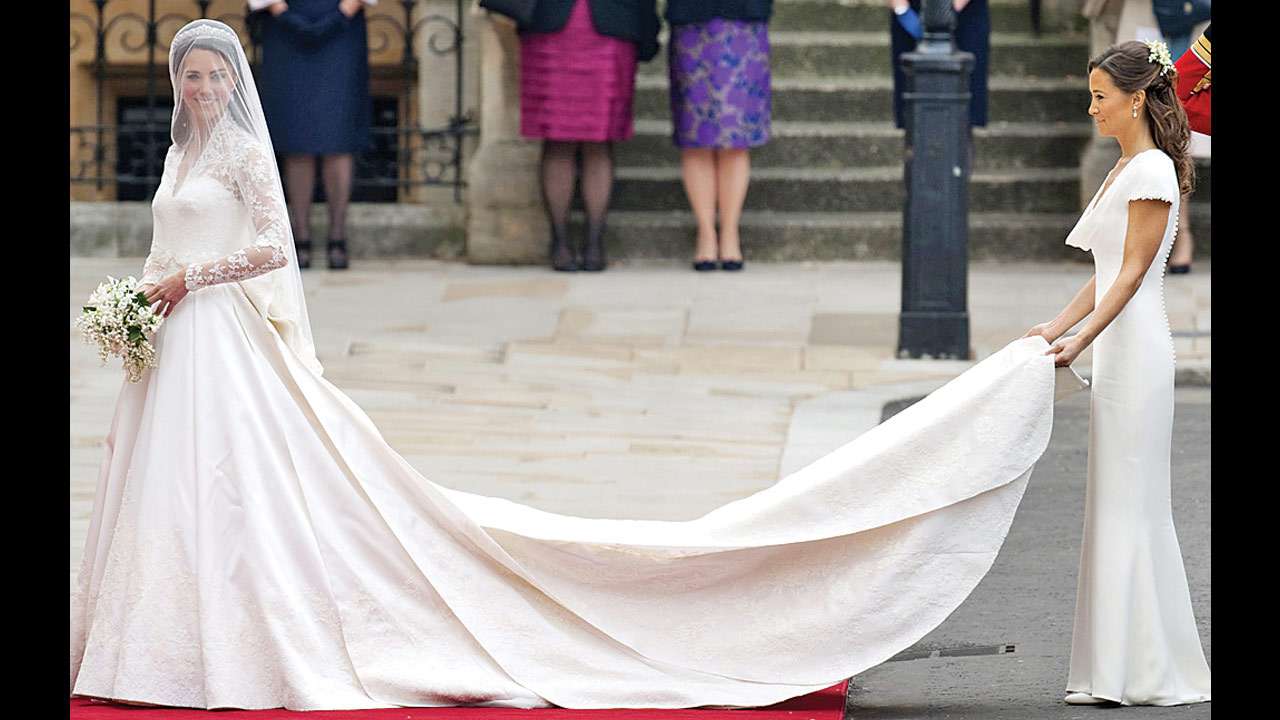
(126, 152)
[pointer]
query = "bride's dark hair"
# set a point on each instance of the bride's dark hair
(1129, 68)
(222, 47)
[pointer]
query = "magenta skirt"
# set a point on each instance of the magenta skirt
(576, 84)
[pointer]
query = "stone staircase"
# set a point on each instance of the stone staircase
(829, 183)
(828, 186)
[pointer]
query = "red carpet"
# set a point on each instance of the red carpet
(823, 705)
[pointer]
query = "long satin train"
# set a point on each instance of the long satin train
(256, 543)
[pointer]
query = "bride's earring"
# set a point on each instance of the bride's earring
(1135, 111)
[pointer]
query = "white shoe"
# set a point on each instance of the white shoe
(1079, 698)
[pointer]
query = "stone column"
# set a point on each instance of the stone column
(1101, 154)
(505, 219)
(1061, 15)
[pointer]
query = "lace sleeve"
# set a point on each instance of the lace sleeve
(256, 185)
(153, 269)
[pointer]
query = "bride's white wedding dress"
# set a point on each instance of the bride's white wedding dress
(1135, 639)
(255, 542)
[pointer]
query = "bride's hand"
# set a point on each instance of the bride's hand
(166, 294)
(1066, 351)
(1044, 330)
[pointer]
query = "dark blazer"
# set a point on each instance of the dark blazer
(314, 79)
(682, 12)
(634, 20)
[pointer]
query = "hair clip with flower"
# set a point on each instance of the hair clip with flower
(1159, 53)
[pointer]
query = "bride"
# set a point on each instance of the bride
(255, 543)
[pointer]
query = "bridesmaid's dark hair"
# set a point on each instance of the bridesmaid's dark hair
(1127, 65)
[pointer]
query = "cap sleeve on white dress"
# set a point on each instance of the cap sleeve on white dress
(1154, 179)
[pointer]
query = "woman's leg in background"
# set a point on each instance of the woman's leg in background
(300, 185)
(597, 186)
(698, 169)
(1184, 245)
(733, 172)
(337, 171)
(559, 170)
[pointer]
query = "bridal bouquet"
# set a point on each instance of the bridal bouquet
(118, 319)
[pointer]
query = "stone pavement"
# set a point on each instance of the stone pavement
(647, 391)
(1028, 597)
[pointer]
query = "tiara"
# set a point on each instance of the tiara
(1159, 53)
(208, 28)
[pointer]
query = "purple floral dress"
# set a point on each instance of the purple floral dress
(720, 96)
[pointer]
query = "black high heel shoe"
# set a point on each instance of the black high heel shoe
(703, 265)
(593, 259)
(1180, 269)
(731, 265)
(562, 257)
(337, 251)
(303, 249)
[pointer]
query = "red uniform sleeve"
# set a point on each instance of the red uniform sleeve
(1195, 84)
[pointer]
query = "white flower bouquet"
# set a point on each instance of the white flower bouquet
(118, 319)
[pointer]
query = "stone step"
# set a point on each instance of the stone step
(862, 144)
(825, 54)
(868, 189)
(1010, 99)
(818, 236)
(872, 15)
(123, 229)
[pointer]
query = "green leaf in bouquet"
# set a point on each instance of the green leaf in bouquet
(135, 333)
(141, 297)
(89, 308)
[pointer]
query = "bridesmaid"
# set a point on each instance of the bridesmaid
(1134, 640)
(720, 108)
(577, 85)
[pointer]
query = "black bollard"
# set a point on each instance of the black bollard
(935, 222)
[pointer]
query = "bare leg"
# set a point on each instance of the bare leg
(337, 171)
(559, 169)
(733, 172)
(698, 168)
(300, 185)
(1183, 243)
(597, 187)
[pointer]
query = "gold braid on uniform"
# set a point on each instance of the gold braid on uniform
(1203, 50)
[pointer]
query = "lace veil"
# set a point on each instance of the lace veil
(218, 129)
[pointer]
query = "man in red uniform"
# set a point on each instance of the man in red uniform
(1194, 83)
(1193, 88)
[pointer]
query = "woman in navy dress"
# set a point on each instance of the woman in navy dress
(315, 95)
(972, 34)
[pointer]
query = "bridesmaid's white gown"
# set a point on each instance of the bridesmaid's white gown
(255, 543)
(1135, 640)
